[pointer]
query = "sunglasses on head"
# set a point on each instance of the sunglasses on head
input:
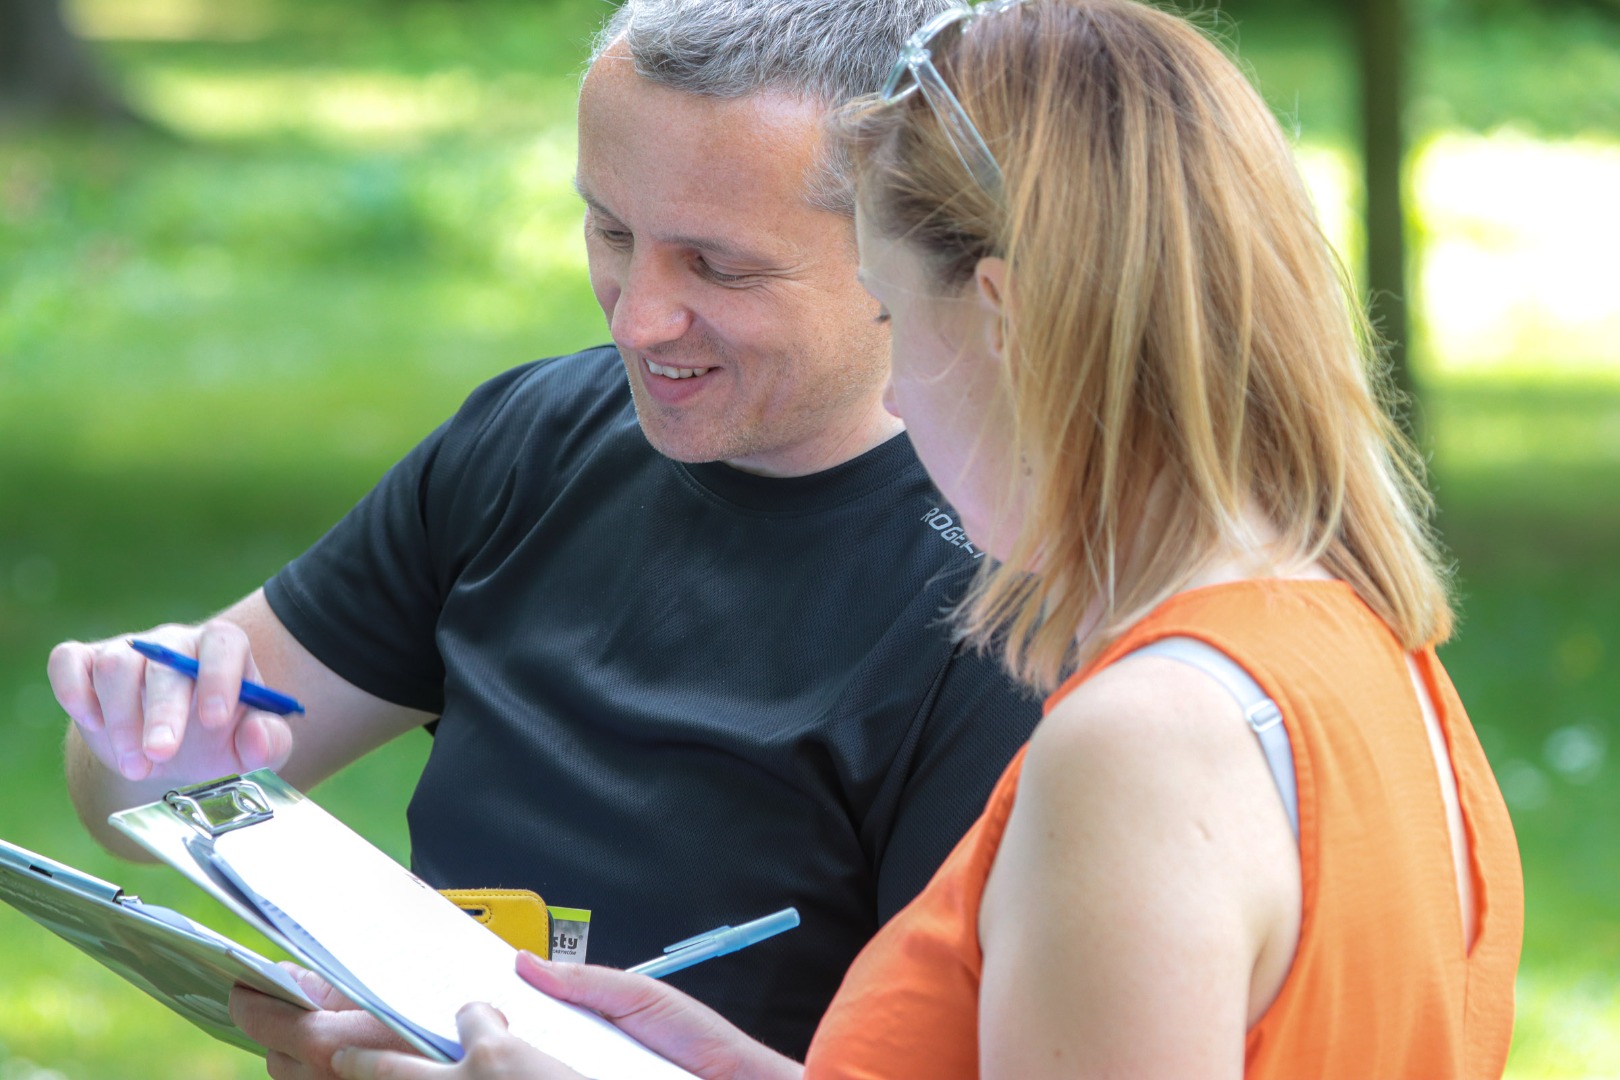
(917, 62)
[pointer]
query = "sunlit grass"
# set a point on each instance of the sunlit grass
(1568, 1027)
(1516, 246)
(341, 108)
(1521, 253)
(1482, 426)
(172, 20)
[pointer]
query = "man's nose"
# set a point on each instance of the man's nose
(651, 309)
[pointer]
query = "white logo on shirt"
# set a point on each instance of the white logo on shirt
(949, 530)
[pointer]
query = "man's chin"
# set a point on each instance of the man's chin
(686, 452)
(681, 440)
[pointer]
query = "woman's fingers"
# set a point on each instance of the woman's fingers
(663, 1019)
(613, 993)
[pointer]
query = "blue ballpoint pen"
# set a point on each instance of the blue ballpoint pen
(717, 942)
(253, 695)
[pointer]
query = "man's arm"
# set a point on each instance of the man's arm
(140, 730)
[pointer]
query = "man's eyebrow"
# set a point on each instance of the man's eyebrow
(590, 200)
(709, 244)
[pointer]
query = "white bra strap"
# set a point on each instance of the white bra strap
(1262, 714)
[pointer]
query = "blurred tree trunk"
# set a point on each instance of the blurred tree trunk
(1382, 35)
(47, 72)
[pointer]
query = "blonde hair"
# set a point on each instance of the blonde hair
(1175, 318)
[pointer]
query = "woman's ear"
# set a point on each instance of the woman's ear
(990, 277)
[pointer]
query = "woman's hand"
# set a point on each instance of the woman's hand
(663, 1019)
(491, 1054)
(660, 1017)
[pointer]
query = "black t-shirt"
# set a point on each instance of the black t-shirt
(677, 695)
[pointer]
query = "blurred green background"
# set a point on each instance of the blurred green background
(216, 333)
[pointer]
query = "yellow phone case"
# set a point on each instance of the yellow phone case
(517, 916)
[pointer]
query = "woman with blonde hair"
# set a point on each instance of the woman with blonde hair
(1255, 834)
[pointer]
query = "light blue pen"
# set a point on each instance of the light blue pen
(717, 942)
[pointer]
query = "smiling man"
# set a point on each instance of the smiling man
(673, 606)
(731, 297)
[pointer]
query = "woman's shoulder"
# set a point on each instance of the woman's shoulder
(1147, 755)
(1139, 696)
(1147, 817)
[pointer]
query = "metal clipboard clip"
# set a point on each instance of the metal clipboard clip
(219, 806)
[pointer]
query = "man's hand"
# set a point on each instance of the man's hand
(145, 722)
(300, 1042)
(140, 729)
(491, 1054)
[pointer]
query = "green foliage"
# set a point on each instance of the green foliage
(1525, 474)
(211, 345)
(1555, 75)
(1549, 69)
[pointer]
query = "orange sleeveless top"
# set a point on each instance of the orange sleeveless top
(1380, 985)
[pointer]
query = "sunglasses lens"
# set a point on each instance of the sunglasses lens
(914, 69)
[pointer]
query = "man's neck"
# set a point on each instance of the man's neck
(826, 453)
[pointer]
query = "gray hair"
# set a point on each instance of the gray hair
(825, 51)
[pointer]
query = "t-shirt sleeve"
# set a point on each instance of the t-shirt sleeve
(365, 599)
(977, 719)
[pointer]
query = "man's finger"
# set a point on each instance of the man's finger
(166, 699)
(477, 1022)
(262, 741)
(266, 1020)
(351, 1063)
(224, 659)
(117, 681)
(315, 986)
(70, 673)
(304, 1036)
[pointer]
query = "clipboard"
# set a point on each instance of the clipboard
(182, 964)
(395, 946)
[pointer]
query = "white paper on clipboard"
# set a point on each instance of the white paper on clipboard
(416, 957)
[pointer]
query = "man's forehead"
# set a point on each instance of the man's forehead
(727, 175)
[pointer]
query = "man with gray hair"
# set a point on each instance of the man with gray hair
(672, 606)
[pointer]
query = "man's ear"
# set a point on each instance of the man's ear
(990, 278)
